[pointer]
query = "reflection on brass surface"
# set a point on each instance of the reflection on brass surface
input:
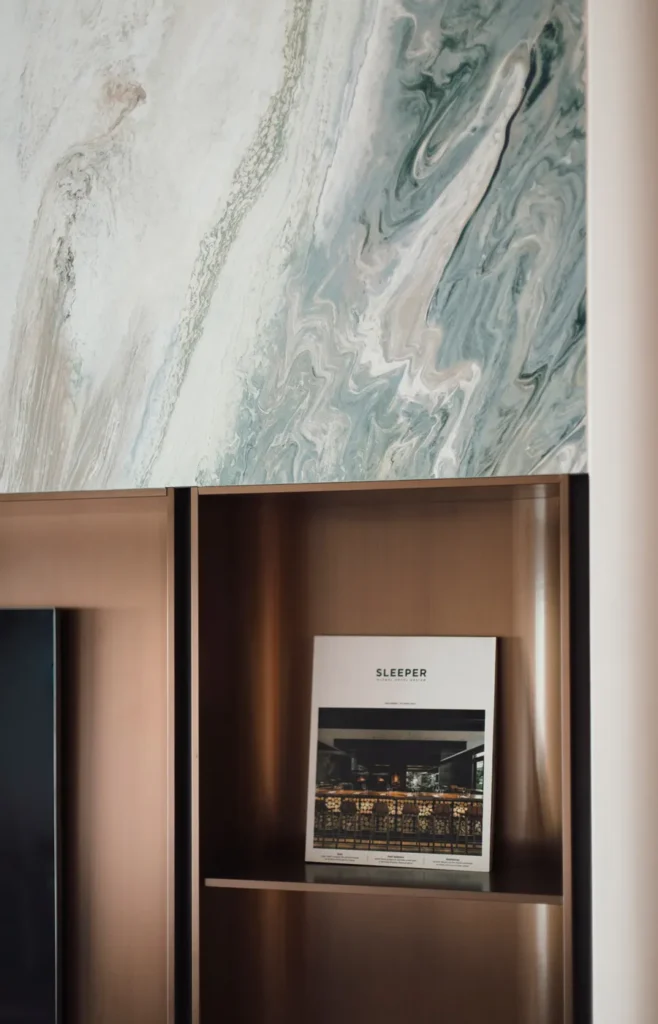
(265, 666)
(529, 809)
(540, 988)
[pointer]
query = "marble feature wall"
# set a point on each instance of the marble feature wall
(290, 240)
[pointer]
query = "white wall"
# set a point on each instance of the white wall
(623, 417)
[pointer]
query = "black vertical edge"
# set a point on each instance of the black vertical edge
(67, 710)
(58, 748)
(581, 747)
(182, 734)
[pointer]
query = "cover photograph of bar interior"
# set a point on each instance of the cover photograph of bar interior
(401, 760)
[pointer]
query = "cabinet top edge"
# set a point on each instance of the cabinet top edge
(524, 485)
(151, 492)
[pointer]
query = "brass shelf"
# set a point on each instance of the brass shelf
(520, 885)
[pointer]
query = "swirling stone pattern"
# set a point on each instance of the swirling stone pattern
(299, 240)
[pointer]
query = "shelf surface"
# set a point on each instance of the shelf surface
(524, 884)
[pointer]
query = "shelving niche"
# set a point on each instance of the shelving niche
(281, 940)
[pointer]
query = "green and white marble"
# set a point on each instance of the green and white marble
(290, 240)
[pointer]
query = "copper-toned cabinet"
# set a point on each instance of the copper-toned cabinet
(187, 626)
(106, 561)
(272, 567)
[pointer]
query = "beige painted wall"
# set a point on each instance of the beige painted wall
(623, 432)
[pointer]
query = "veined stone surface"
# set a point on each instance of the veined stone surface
(290, 240)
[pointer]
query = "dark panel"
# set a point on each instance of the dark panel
(29, 891)
(183, 732)
(580, 749)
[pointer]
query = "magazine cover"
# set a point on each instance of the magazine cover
(401, 752)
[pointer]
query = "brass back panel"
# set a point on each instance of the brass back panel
(290, 958)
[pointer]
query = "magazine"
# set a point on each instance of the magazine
(401, 751)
